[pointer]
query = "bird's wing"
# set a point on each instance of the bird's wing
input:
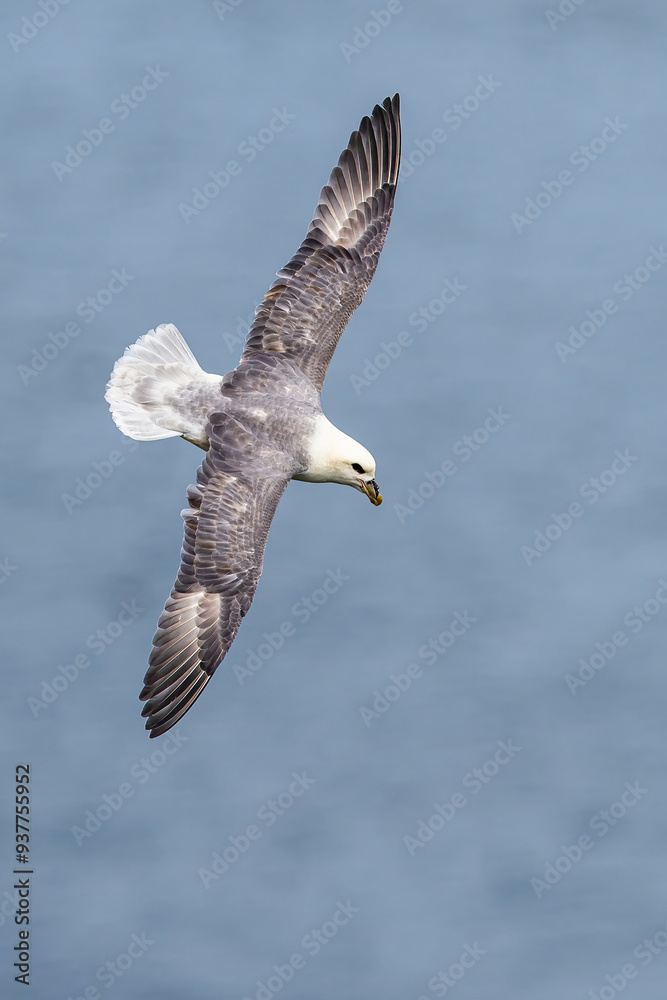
(226, 526)
(306, 310)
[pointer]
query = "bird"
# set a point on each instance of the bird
(261, 424)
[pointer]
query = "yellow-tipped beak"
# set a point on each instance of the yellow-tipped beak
(372, 492)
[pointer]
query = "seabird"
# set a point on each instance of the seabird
(261, 424)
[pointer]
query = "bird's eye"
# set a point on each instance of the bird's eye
(357, 467)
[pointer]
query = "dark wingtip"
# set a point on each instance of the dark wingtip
(392, 105)
(391, 109)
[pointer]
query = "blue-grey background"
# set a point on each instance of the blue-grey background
(67, 573)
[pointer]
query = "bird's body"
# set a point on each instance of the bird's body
(261, 424)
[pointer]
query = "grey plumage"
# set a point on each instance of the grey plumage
(306, 310)
(256, 446)
(261, 420)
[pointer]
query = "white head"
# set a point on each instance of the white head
(337, 458)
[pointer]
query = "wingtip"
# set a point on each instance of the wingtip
(389, 115)
(392, 105)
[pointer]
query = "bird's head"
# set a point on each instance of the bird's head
(353, 465)
(337, 458)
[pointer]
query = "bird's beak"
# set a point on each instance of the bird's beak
(372, 492)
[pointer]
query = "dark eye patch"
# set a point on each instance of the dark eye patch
(357, 467)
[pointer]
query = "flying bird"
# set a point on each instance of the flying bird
(261, 424)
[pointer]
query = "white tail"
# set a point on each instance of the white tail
(150, 381)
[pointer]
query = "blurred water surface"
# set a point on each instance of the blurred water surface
(520, 440)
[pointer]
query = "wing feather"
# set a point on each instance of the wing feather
(306, 310)
(226, 526)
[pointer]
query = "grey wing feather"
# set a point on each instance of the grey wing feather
(226, 526)
(306, 310)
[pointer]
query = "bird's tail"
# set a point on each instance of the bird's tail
(155, 389)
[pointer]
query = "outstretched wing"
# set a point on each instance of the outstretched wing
(226, 526)
(306, 310)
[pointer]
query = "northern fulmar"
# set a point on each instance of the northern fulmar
(262, 423)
